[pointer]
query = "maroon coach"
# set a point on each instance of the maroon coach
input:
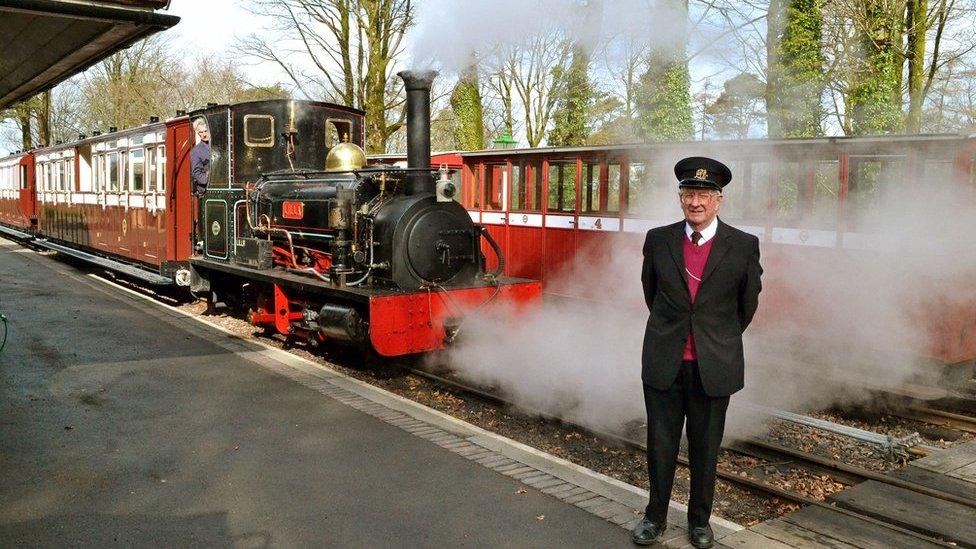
(701, 283)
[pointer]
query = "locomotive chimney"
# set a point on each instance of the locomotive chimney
(417, 84)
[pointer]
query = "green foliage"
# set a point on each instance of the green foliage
(795, 79)
(570, 118)
(663, 99)
(610, 124)
(469, 122)
(736, 110)
(875, 98)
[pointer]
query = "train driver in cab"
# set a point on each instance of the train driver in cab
(200, 157)
(701, 283)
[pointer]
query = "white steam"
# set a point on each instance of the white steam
(831, 320)
(450, 32)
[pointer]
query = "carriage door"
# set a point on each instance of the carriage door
(562, 178)
(523, 256)
(494, 215)
(27, 188)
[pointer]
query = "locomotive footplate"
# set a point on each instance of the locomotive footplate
(399, 322)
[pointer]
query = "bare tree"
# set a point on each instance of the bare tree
(342, 50)
(532, 72)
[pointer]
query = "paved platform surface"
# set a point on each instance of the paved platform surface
(125, 423)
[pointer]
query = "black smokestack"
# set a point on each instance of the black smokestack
(417, 84)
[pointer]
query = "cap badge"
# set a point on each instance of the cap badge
(701, 174)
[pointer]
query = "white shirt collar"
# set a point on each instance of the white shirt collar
(707, 233)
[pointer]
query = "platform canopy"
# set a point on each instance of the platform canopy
(43, 42)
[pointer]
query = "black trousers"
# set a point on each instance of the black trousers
(666, 413)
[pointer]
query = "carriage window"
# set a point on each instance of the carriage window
(259, 130)
(755, 194)
(826, 193)
(494, 186)
(613, 187)
(161, 160)
(23, 177)
(562, 186)
(337, 131)
(138, 181)
(868, 175)
(70, 182)
(590, 188)
(789, 189)
(124, 168)
(150, 169)
(112, 168)
(475, 190)
(527, 187)
(639, 186)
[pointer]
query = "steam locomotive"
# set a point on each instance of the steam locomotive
(293, 226)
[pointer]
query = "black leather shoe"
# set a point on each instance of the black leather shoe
(701, 537)
(646, 532)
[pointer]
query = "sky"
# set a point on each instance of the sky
(210, 27)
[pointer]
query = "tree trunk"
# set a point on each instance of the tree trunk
(43, 114)
(915, 15)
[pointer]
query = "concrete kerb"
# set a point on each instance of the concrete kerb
(598, 483)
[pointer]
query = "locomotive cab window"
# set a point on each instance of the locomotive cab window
(259, 130)
(337, 131)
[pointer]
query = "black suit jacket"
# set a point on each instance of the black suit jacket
(725, 304)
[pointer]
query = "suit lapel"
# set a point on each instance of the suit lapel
(719, 248)
(676, 245)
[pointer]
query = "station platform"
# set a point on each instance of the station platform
(124, 422)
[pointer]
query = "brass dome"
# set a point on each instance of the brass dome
(345, 157)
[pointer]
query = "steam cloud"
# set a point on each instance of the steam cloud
(449, 32)
(831, 320)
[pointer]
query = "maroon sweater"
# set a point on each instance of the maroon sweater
(695, 259)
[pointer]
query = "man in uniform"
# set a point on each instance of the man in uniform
(701, 282)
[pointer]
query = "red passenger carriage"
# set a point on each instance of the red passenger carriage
(561, 214)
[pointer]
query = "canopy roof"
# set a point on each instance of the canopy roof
(46, 41)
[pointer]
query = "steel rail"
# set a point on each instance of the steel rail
(958, 422)
(722, 473)
(845, 469)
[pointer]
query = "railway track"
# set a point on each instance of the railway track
(844, 473)
(775, 453)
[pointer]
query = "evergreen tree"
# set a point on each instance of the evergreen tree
(469, 122)
(663, 98)
(794, 79)
(875, 97)
(570, 119)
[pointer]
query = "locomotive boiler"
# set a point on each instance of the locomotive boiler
(380, 256)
